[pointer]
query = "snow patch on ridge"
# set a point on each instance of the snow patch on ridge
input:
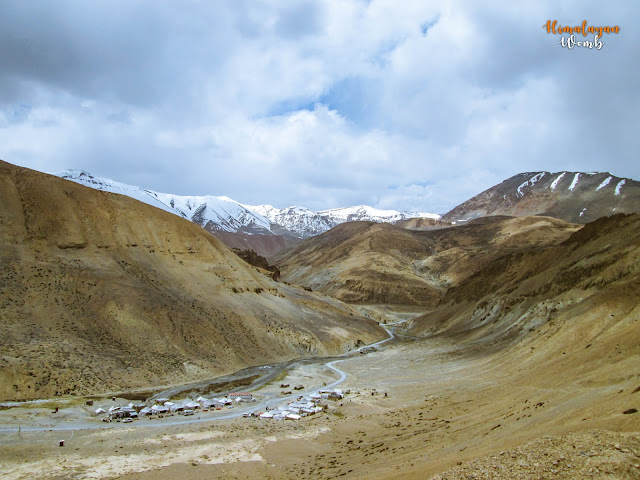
(604, 183)
(619, 186)
(557, 180)
(574, 182)
(530, 183)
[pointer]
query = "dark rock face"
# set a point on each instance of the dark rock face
(252, 258)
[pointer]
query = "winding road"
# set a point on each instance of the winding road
(237, 411)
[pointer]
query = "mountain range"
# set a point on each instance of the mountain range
(222, 214)
(575, 197)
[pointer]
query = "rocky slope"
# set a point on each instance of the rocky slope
(585, 290)
(572, 196)
(381, 263)
(99, 292)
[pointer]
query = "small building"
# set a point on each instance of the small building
(336, 395)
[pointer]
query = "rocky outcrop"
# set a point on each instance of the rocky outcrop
(252, 258)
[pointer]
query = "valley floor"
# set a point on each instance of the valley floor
(448, 413)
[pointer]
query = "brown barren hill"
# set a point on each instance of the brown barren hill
(565, 311)
(577, 197)
(381, 263)
(362, 262)
(99, 292)
(523, 290)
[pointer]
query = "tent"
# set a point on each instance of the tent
(159, 409)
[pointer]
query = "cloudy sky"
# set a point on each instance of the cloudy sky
(406, 105)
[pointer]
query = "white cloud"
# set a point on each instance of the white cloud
(417, 105)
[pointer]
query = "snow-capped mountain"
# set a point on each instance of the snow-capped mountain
(366, 213)
(222, 214)
(297, 221)
(304, 223)
(579, 197)
(211, 212)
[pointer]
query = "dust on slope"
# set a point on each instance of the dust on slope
(99, 292)
(381, 263)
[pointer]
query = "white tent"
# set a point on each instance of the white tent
(100, 410)
(266, 415)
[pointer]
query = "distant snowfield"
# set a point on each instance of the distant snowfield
(220, 213)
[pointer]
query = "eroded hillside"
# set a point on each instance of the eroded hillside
(99, 292)
(379, 263)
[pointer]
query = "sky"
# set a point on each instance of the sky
(412, 105)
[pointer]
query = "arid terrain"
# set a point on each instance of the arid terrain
(449, 411)
(101, 293)
(515, 355)
(380, 263)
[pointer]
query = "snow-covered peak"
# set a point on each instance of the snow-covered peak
(415, 214)
(367, 213)
(107, 185)
(361, 212)
(213, 213)
(221, 213)
(265, 210)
